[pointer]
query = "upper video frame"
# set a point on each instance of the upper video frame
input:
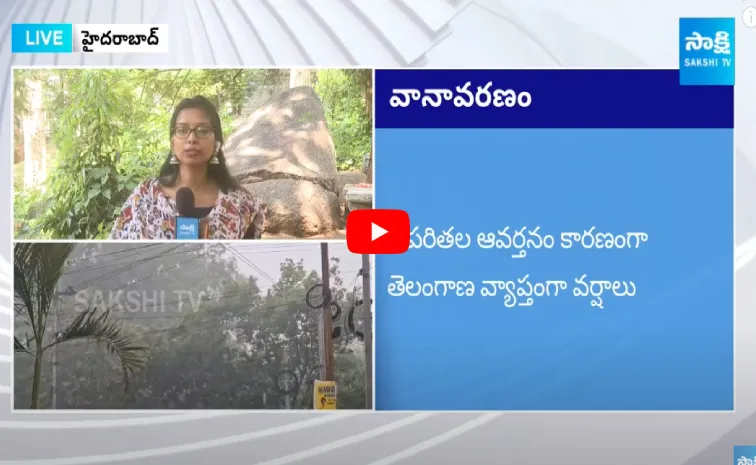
(128, 154)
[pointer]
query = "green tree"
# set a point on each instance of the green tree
(230, 353)
(347, 98)
(110, 131)
(37, 269)
(363, 80)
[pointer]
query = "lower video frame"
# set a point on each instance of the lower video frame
(191, 326)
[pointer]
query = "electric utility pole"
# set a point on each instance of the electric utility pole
(55, 359)
(327, 322)
(367, 330)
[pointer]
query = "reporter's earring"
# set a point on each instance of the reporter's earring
(174, 160)
(214, 159)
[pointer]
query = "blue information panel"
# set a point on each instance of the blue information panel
(588, 257)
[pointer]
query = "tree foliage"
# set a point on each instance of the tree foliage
(348, 111)
(37, 268)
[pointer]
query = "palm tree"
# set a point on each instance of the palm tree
(36, 271)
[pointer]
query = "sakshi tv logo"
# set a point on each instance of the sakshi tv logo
(707, 51)
(188, 228)
(719, 44)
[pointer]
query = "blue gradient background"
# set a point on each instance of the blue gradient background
(668, 348)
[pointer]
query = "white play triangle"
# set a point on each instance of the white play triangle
(376, 231)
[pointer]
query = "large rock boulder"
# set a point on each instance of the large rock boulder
(284, 154)
(298, 208)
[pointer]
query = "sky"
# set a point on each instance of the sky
(268, 257)
(259, 259)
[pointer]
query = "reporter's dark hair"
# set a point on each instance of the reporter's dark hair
(217, 172)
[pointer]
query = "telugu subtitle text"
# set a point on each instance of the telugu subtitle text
(121, 38)
(108, 38)
(462, 97)
(519, 292)
(522, 239)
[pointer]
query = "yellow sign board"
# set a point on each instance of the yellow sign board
(325, 395)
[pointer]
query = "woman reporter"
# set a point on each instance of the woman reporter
(196, 161)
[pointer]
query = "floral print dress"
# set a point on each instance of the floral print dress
(149, 214)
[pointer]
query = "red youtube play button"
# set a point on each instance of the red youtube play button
(378, 232)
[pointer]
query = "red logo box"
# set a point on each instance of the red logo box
(378, 232)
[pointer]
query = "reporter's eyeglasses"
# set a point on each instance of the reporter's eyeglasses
(202, 132)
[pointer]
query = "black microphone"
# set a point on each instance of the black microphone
(187, 225)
